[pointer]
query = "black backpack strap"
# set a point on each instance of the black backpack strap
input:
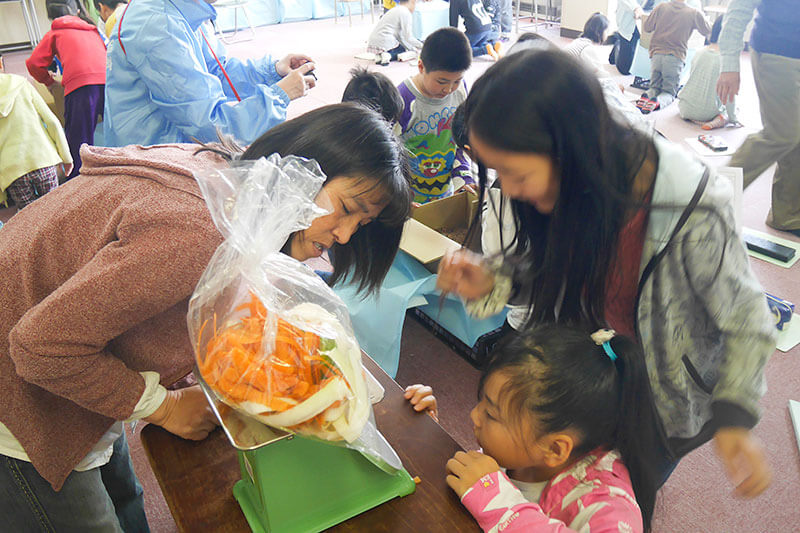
(651, 265)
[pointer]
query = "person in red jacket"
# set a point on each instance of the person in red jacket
(80, 49)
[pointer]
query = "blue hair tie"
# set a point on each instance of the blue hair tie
(609, 351)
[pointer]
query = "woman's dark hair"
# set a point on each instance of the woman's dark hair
(525, 103)
(112, 4)
(565, 380)
(595, 27)
(63, 8)
(376, 91)
(351, 140)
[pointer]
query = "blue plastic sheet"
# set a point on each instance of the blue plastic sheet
(322, 9)
(295, 10)
(378, 319)
(261, 13)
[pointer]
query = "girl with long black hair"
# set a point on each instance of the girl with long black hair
(605, 225)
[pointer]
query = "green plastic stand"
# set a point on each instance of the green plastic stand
(298, 485)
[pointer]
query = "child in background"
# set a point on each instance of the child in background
(698, 100)
(110, 11)
(429, 100)
(671, 24)
(79, 48)
(567, 429)
(375, 91)
(32, 143)
(477, 26)
(392, 35)
(589, 51)
(588, 46)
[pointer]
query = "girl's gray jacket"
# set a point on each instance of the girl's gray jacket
(701, 316)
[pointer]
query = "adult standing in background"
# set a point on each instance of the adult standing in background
(775, 57)
(628, 11)
(168, 79)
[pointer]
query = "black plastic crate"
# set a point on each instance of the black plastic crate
(476, 355)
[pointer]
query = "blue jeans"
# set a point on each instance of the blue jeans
(478, 41)
(397, 50)
(108, 498)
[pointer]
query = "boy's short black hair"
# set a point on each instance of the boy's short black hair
(375, 91)
(446, 49)
(530, 41)
(713, 37)
(112, 4)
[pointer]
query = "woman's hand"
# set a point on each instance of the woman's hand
(291, 62)
(744, 461)
(422, 399)
(298, 81)
(465, 274)
(185, 413)
(465, 468)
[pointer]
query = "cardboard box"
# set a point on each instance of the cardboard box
(425, 234)
(53, 98)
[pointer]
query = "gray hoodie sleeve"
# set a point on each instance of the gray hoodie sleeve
(731, 39)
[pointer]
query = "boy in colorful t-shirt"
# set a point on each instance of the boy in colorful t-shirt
(430, 99)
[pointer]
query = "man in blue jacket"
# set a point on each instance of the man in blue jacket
(168, 80)
(775, 44)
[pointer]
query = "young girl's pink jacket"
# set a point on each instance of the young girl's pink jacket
(79, 47)
(595, 495)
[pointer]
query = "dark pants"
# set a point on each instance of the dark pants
(622, 53)
(108, 498)
(81, 109)
(394, 52)
(478, 41)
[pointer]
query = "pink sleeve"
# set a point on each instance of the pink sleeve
(497, 505)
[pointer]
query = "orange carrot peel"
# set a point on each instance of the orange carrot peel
(298, 381)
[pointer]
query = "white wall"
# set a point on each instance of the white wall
(575, 13)
(12, 23)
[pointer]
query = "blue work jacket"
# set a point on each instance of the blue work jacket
(163, 84)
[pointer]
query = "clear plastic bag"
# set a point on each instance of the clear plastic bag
(271, 339)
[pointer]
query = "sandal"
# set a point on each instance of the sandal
(649, 107)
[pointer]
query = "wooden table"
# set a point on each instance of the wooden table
(197, 477)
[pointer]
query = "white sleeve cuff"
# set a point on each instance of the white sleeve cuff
(152, 397)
